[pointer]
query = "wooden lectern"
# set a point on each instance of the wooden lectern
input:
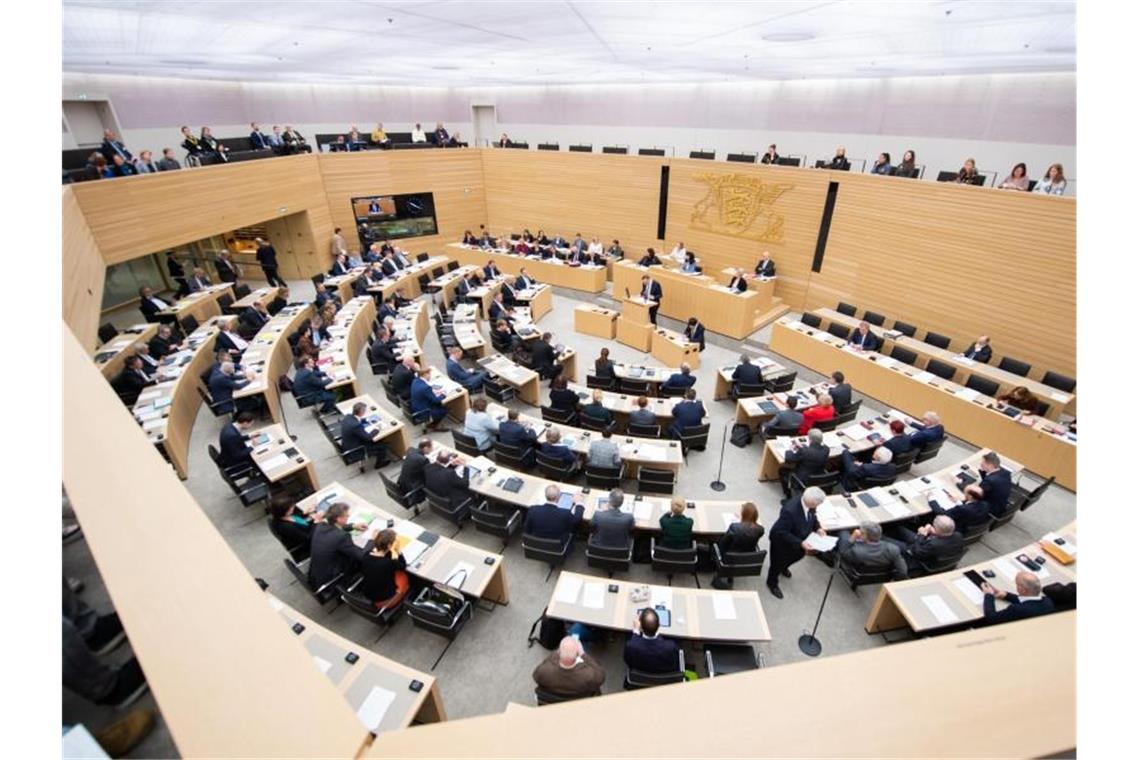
(633, 326)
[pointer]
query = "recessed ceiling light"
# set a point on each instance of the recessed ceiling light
(788, 37)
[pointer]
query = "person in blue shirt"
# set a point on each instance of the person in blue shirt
(554, 448)
(682, 379)
(931, 431)
(480, 425)
(688, 413)
(426, 399)
(689, 266)
(311, 384)
(472, 381)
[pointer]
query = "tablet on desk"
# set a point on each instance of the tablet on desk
(565, 500)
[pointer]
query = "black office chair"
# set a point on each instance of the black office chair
(409, 500)
(416, 418)
(298, 551)
(904, 355)
(839, 331)
(318, 279)
(512, 456)
(1021, 499)
(643, 431)
(739, 564)
(905, 329)
(982, 385)
(826, 426)
(384, 617)
(941, 369)
(822, 480)
(929, 451)
(779, 432)
(437, 272)
(500, 523)
(225, 301)
(500, 392)
(188, 324)
(856, 577)
(422, 257)
(633, 387)
(781, 383)
(447, 622)
(872, 318)
(553, 468)
(603, 478)
(356, 455)
(870, 482)
(903, 461)
(559, 416)
(609, 559)
(726, 659)
(650, 480)
(1015, 366)
(749, 390)
(245, 480)
(670, 391)
(549, 550)
(241, 291)
(322, 594)
(848, 414)
(587, 422)
(934, 339)
(601, 383)
(846, 309)
(457, 515)
(544, 697)
(1059, 381)
(945, 564)
(974, 534)
(695, 438)
(672, 561)
(639, 679)
(217, 408)
(465, 443)
(107, 331)
(811, 320)
(452, 266)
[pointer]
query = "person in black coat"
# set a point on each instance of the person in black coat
(996, 484)
(514, 433)
(222, 384)
(862, 337)
(1026, 603)
(131, 381)
(745, 373)
(804, 461)
(443, 477)
(548, 520)
(840, 392)
(562, 398)
(972, 512)
(232, 442)
(648, 652)
(689, 413)
(291, 527)
(766, 267)
(227, 270)
(980, 351)
(382, 351)
(651, 292)
(932, 544)
(542, 356)
(400, 381)
(741, 536)
(267, 258)
(412, 470)
(855, 474)
(163, 343)
(354, 434)
(311, 385)
(332, 551)
(254, 317)
(604, 365)
(789, 535)
(899, 442)
(384, 580)
(150, 304)
(178, 274)
(695, 332)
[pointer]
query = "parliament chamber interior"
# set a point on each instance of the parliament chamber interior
(438, 400)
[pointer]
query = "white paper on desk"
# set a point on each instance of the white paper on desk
(724, 607)
(148, 395)
(820, 336)
(907, 490)
(594, 596)
(154, 424)
(856, 432)
(408, 530)
(882, 495)
(967, 393)
(146, 416)
(568, 588)
(924, 377)
(729, 519)
(661, 596)
(1006, 568)
(323, 665)
(822, 543)
(938, 607)
(894, 509)
(1058, 396)
(650, 451)
(374, 707)
(413, 551)
(274, 462)
(972, 592)
(832, 440)
(642, 510)
(888, 362)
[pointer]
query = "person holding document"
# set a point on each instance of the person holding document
(790, 534)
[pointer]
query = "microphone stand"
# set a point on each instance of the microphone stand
(809, 644)
(718, 484)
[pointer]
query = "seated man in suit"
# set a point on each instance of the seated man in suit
(499, 310)
(1026, 603)
(198, 280)
(686, 414)
(412, 469)
(340, 265)
(163, 343)
(649, 259)
(472, 381)
(255, 317)
(543, 357)
(865, 550)
(738, 283)
(150, 304)
(995, 484)
(130, 382)
(931, 431)
(971, 513)
(899, 442)
(596, 409)
(324, 295)
(570, 672)
(745, 373)
(562, 399)
(615, 250)
(514, 433)
(555, 449)
(332, 551)
(149, 363)
(233, 450)
(642, 415)
(980, 351)
(548, 520)
(695, 332)
(400, 381)
(788, 538)
(447, 477)
(648, 652)
(931, 544)
(804, 461)
(388, 309)
(310, 386)
(480, 425)
(524, 280)
(863, 339)
(683, 379)
(223, 382)
(840, 392)
(612, 528)
(230, 338)
(383, 348)
(854, 473)
(354, 434)
(491, 270)
(766, 267)
(425, 398)
(785, 419)
(603, 451)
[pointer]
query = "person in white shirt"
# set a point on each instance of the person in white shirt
(337, 247)
(595, 248)
(480, 425)
(1054, 181)
(678, 253)
(231, 332)
(418, 135)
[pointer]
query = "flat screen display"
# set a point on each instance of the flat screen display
(390, 217)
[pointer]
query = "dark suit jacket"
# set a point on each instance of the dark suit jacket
(258, 141)
(267, 256)
(739, 284)
(490, 272)
(740, 537)
(224, 341)
(129, 384)
(226, 271)
(400, 381)
(995, 489)
(934, 549)
(559, 451)
(446, 481)
(233, 448)
(867, 342)
(353, 434)
(857, 473)
(1017, 609)
(651, 291)
(412, 470)
(840, 397)
(747, 373)
(332, 552)
(612, 528)
(499, 311)
(514, 434)
(423, 397)
(809, 460)
(983, 356)
(604, 370)
(253, 319)
(388, 267)
(965, 515)
(548, 521)
(687, 414)
(766, 269)
(898, 444)
(542, 354)
(222, 387)
(148, 308)
(159, 347)
(338, 269)
(790, 530)
(657, 655)
(309, 383)
(564, 399)
(520, 283)
(380, 351)
(696, 334)
(923, 436)
(678, 380)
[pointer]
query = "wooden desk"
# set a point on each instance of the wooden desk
(201, 305)
(371, 674)
(621, 404)
(765, 286)
(591, 279)
(674, 349)
(349, 334)
(1039, 444)
(596, 321)
(694, 612)
(523, 380)
(1059, 401)
(655, 376)
(407, 278)
(769, 368)
(455, 396)
(269, 356)
(167, 411)
(342, 284)
(539, 300)
(633, 326)
(261, 295)
(432, 557)
(387, 428)
(465, 325)
(753, 412)
(719, 309)
(111, 357)
(411, 326)
(448, 282)
(950, 600)
(277, 456)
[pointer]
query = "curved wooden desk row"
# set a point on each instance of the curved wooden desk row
(950, 599)
(385, 426)
(112, 355)
(349, 334)
(167, 410)
(261, 295)
(411, 327)
(375, 687)
(769, 368)
(756, 410)
(695, 614)
(589, 278)
(465, 326)
(201, 305)
(1058, 400)
(905, 499)
(407, 278)
(269, 355)
(431, 557)
(1040, 445)
(621, 404)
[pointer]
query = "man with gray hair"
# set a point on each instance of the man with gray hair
(745, 372)
(1026, 603)
(789, 535)
(613, 529)
(552, 520)
(930, 432)
(863, 549)
(879, 468)
(804, 461)
(933, 545)
(570, 672)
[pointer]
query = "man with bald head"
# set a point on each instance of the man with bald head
(932, 545)
(1026, 603)
(400, 381)
(570, 672)
(553, 520)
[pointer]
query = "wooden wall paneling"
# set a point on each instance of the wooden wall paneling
(604, 195)
(83, 273)
(961, 261)
(722, 226)
(454, 177)
(297, 241)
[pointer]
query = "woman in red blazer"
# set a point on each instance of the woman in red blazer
(821, 412)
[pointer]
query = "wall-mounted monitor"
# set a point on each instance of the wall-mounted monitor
(389, 217)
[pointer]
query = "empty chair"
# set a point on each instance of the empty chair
(982, 385)
(838, 330)
(592, 423)
(846, 308)
(643, 431)
(672, 561)
(188, 324)
(671, 391)
(725, 659)
(107, 331)
(500, 392)
(612, 560)
(421, 257)
(245, 480)
(437, 272)
(409, 500)
(781, 383)
(554, 468)
(1016, 366)
(905, 329)
(225, 301)
(634, 387)
(323, 594)
(452, 266)
(872, 318)
(650, 480)
(317, 279)
(549, 550)
(446, 617)
(457, 515)
(811, 320)
(934, 339)
(511, 456)
(904, 355)
(941, 369)
(1021, 499)
(601, 383)
(560, 416)
(1060, 382)
(241, 291)
(929, 451)
(822, 480)
(603, 478)
(749, 390)
(501, 523)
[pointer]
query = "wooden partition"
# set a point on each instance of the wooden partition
(83, 273)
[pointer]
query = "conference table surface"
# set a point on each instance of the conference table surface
(201, 304)
(756, 410)
(696, 614)
(269, 356)
(410, 328)
(465, 326)
(673, 349)
(348, 334)
(407, 278)
(643, 373)
(261, 295)
(589, 278)
(621, 404)
(430, 556)
(1041, 445)
(769, 368)
(381, 423)
(1058, 400)
(111, 357)
(276, 455)
(950, 599)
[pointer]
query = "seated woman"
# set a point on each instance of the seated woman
(741, 536)
(291, 526)
(649, 259)
(676, 527)
(604, 366)
(823, 411)
(305, 345)
(907, 168)
(385, 582)
(561, 397)
(968, 174)
(596, 410)
(469, 238)
(690, 264)
(1054, 181)
(882, 164)
(1022, 398)
(1016, 179)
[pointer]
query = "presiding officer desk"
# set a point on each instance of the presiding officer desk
(375, 687)
(349, 333)
(1040, 445)
(167, 410)
(430, 556)
(945, 601)
(112, 355)
(696, 614)
(1058, 400)
(590, 278)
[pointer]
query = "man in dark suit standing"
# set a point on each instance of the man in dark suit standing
(980, 351)
(354, 434)
(267, 258)
(789, 534)
(695, 332)
(415, 462)
(648, 652)
(447, 477)
(995, 484)
(688, 413)
(232, 441)
(227, 270)
(863, 339)
(1026, 603)
(514, 433)
(542, 356)
(840, 392)
(804, 461)
(178, 274)
(550, 521)
(332, 551)
(651, 291)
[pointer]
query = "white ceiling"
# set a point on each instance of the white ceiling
(461, 44)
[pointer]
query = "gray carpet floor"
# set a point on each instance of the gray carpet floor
(490, 664)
